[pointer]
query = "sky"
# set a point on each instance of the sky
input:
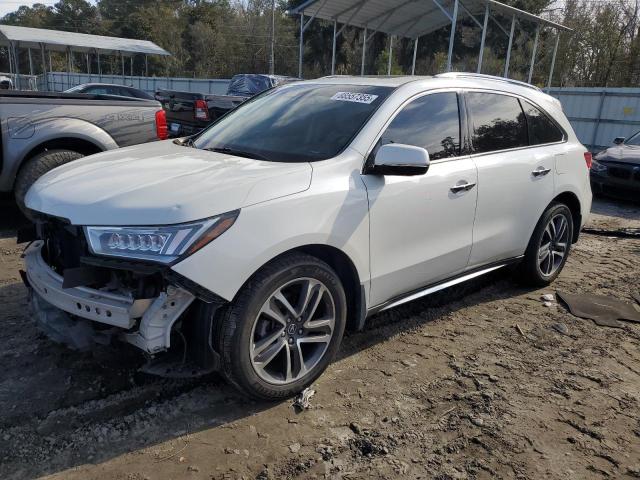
(7, 6)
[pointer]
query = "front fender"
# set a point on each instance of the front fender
(337, 217)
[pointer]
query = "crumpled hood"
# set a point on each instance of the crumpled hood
(620, 154)
(161, 183)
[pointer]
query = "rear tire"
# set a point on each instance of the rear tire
(272, 348)
(37, 166)
(548, 247)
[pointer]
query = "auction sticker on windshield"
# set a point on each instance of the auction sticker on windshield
(354, 97)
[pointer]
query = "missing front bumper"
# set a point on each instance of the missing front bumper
(154, 317)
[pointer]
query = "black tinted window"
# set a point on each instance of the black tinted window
(431, 122)
(97, 91)
(541, 129)
(498, 122)
(299, 122)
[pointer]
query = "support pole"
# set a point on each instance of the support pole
(50, 63)
(122, 64)
(453, 34)
(390, 54)
(16, 60)
(364, 51)
(273, 38)
(30, 63)
(301, 46)
(553, 59)
(146, 65)
(415, 53)
(131, 65)
(506, 63)
(484, 36)
(99, 66)
(88, 64)
(10, 58)
(533, 53)
(45, 75)
(333, 50)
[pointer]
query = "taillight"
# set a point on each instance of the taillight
(201, 111)
(162, 131)
(588, 158)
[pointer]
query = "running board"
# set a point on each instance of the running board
(438, 287)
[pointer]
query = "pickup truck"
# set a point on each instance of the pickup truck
(188, 113)
(40, 131)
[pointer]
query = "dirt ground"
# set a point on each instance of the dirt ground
(484, 381)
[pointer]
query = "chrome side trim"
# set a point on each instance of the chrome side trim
(441, 286)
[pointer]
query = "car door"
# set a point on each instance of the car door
(421, 226)
(515, 180)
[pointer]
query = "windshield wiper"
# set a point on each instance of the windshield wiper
(189, 142)
(237, 153)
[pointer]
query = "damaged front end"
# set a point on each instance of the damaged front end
(80, 299)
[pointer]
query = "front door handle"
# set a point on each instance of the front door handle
(540, 171)
(462, 187)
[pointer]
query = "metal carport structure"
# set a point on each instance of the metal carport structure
(415, 18)
(14, 38)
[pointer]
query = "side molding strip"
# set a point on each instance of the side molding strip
(442, 286)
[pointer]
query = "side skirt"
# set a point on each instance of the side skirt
(429, 289)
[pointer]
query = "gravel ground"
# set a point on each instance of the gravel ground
(482, 381)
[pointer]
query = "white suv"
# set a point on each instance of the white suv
(250, 247)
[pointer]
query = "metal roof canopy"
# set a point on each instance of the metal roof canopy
(60, 41)
(414, 18)
(44, 40)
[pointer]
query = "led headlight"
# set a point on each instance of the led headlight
(163, 244)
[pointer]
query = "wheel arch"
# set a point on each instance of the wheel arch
(76, 144)
(347, 272)
(571, 200)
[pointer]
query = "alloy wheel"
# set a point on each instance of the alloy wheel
(553, 245)
(292, 331)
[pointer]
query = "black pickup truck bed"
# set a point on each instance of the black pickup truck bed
(188, 113)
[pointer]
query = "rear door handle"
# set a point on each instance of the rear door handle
(462, 187)
(540, 171)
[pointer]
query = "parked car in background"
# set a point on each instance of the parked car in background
(6, 83)
(250, 247)
(110, 89)
(40, 131)
(616, 171)
(189, 113)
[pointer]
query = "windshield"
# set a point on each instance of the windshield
(295, 123)
(633, 140)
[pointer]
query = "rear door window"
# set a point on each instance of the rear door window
(497, 122)
(431, 122)
(541, 129)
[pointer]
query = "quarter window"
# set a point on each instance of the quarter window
(498, 122)
(431, 122)
(541, 129)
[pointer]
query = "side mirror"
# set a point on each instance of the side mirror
(399, 159)
(618, 140)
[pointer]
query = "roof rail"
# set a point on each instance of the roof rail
(486, 77)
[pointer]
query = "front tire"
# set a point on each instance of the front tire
(283, 328)
(37, 166)
(548, 247)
